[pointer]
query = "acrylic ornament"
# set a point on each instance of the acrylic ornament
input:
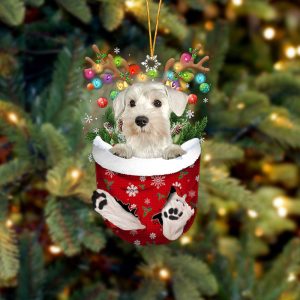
(139, 190)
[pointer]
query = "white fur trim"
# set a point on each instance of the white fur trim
(145, 166)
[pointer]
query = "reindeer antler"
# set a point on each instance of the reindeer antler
(108, 63)
(189, 65)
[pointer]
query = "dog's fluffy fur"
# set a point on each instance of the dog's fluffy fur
(154, 139)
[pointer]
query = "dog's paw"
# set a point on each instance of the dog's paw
(173, 151)
(99, 200)
(121, 150)
(173, 214)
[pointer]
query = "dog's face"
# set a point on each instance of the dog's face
(145, 109)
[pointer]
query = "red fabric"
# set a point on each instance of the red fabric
(149, 195)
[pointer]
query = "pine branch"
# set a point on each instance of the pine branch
(192, 269)
(62, 226)
(12, 12)
(95, 292)
(9, 263)
(31, 275)
(56, 144)
(149, 290)
(77, 8)
(112, 14)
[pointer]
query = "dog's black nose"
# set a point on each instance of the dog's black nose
(141, 121)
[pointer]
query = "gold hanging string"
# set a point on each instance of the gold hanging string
(152, 43)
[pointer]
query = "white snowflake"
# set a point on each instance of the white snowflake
(205, 100)
(197, 178)
(192, 193)
(90, 157)
(110, 173)
(142, 178)
(132, 206)
(190, 114)
(147, 201)
(152, 235)
(202, 140)
(88, 119)
(177, 184)
(132, 190)
(137, 242)
(187, 85)
(117, 50)
(152, 60)
(133, 232)
(96, 130)
(158, 181)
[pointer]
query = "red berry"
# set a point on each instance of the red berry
(102, 102)
(192, 99)
(90, 86)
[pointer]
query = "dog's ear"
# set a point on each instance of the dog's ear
(177, 101)
(119, 104)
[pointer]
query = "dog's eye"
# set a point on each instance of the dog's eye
(132, 103)
(157, 103)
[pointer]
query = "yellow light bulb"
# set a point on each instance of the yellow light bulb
(164, 274)
(185, 240)
(273, 116)
(241, 105)
(252, 214)
(130, 3)
(13, 117)
(278, 201)
(290, 52)
(282, 212)
(269, 33)
(292, 277)
(75, 173)
(222, 211)
(278, 66)
(207, 157)
(259, 232)
(9, 223)
(54, 249)
(237, 2)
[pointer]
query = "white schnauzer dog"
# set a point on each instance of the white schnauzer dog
(145, 109)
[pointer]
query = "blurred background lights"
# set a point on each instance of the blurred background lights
(252, 213)
(269, 33)
(290, 52)
(278, 201)
(282, 212)
(237, 2)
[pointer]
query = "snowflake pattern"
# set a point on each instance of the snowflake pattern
(190, 114)
(197, 178)
(88, 119)
(177, 184)
(192, 193)
(152, 236)
(158, 181)
(147, 201)
(137, 242)
(110, 173)
(142, 178)
(132, 190)
(96, 130)
(90, 157)
(117, 50)
(132, 206)
(205, 100)
(202, 140)
(151, 60)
